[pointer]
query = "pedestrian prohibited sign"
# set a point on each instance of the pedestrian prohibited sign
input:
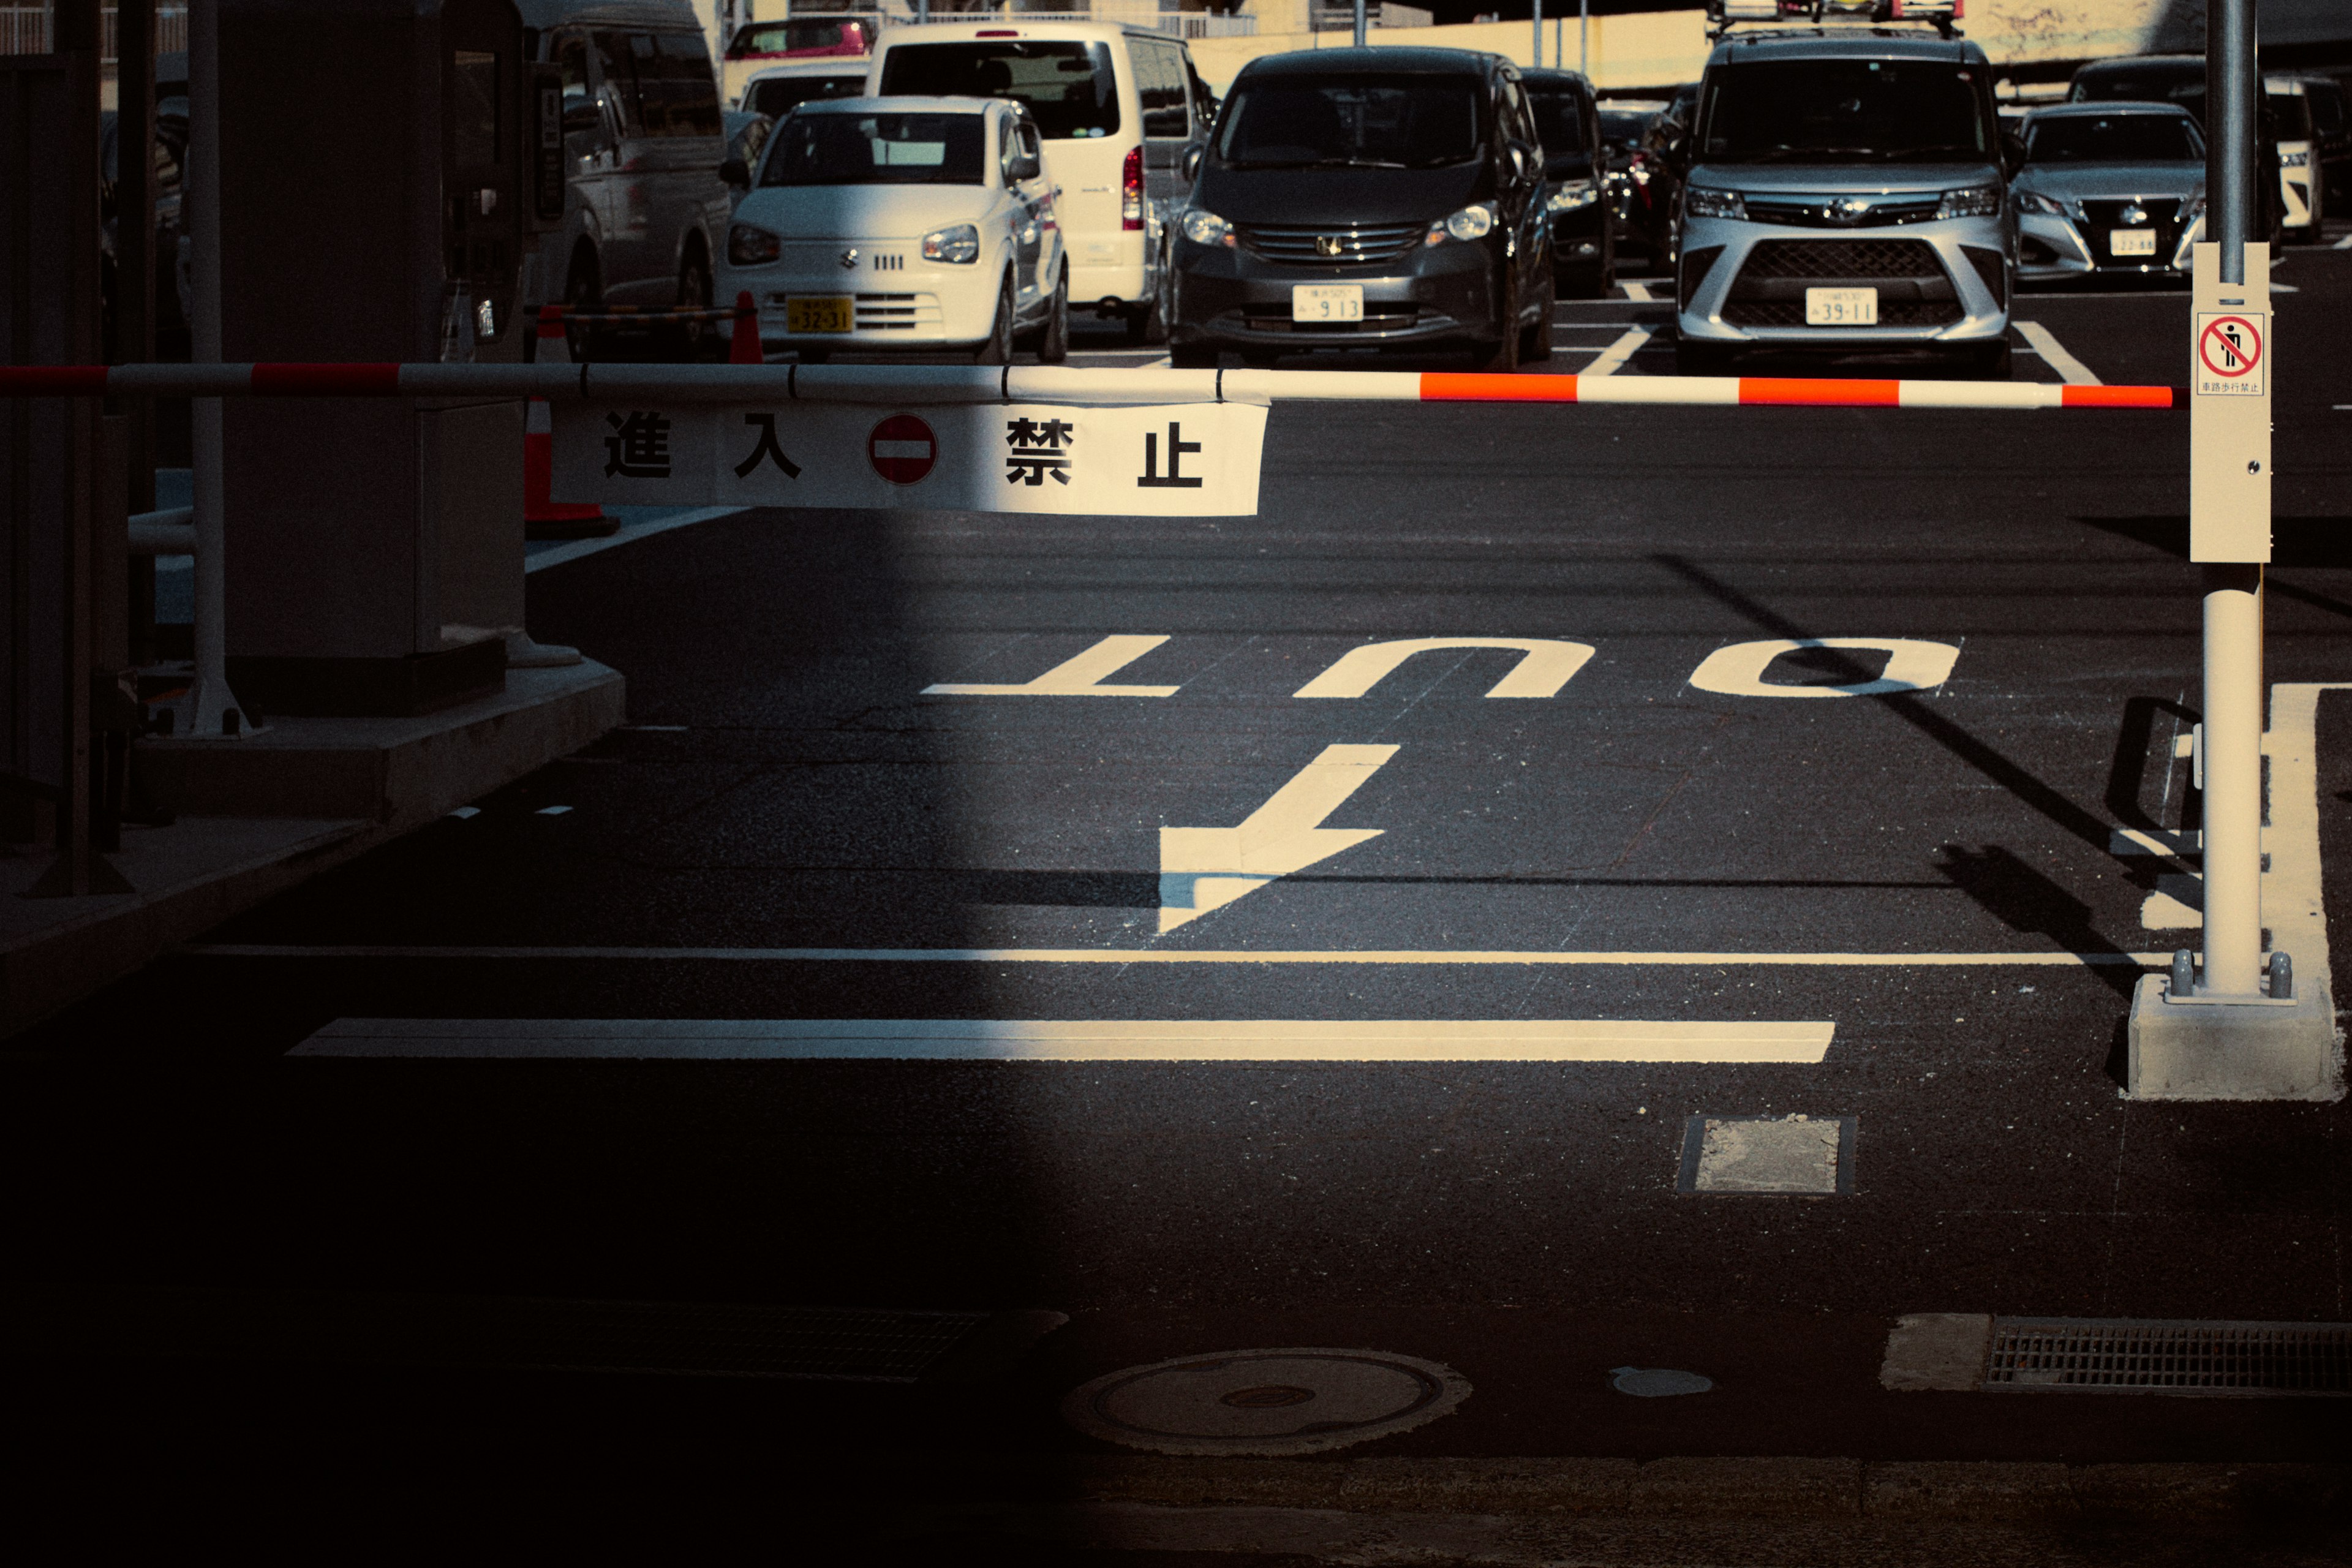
(2232, 357)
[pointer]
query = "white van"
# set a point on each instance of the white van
(1118, 106)
(2302, 196)
(645, 210)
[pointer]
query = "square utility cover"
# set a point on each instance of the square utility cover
(1810, 1154)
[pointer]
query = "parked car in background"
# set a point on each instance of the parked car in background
(746, 135)
(896, 223)
(1623, 123)
(2180, 78)
(645, 210)
(1576, 204)
(1368, 198)
(1120, 109)
(2331, 130)
(2108, 188)
(1846, 194)
(2303, 200)
(759, 47)
(1653, 171)
(777, 91)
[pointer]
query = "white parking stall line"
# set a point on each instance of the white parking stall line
(1616, 356)
(2074, 372)
(1088, 1040)
(1531, 958)
(1637, 291)
(2344, 244)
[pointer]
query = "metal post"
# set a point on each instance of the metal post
(2233, 592)
(1584, 35)
(210, 710)
(1359, 23)
(1539, 55)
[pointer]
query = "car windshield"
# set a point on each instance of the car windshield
(836, 149)
(2185, 87)
(1624, 126)
(777, 96)
(1396, 122)
(2292, 110)
(2113, 138)
(1835, 110)
(800, 33)
(1069, 88)
(1560, 122)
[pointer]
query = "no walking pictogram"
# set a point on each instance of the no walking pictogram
(902, 449)
(2231, 358)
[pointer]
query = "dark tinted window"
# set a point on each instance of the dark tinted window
(2147, 84)
(1560, 121)
(1404, 123)
(474, 107)
(2292, 113)
(1160, 86)
(836, 149)
(674, 80)
(2327, 110)
(779, 95)
(2115, 139)
(1807, 110)
(800, 33)
(1624, 126)
(1069, 88)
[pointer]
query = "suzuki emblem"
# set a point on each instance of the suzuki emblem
(2134, 213)
(849, 257)
(1326, 245)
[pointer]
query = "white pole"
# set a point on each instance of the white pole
(210, 710)
(1538, 59)
(1359, 23)
(1584, 35)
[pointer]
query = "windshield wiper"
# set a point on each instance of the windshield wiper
(1946, 151)
(1355, 164)
(1789, 154)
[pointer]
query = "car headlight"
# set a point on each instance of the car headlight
(747, 247)
(1474, 222)
(2035, 202)
(1971, 201)
(2294, 160)
(959, 244)
(1204, 227)
(1572, 194)
(1698, 201)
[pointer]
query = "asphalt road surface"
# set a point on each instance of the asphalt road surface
(792, 829)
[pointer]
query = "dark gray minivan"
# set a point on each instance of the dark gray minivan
(1368, 198)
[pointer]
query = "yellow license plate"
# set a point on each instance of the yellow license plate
(831, 313)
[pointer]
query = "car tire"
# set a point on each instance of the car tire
(583, 290)
(1149, 325)
(998, 349)
(1535, 339)
(1192, 356)
(693, 338)
(1700, 359)
(1053, 338)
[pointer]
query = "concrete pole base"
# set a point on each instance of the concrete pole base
(2221, 1050)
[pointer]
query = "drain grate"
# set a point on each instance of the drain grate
(2150, 1355)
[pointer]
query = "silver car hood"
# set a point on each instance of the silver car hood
(2109, 182)
(1840, 179)
(863, 212)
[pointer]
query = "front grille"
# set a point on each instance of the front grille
(1358, 245)
(2102, 218)
(1842, 260)
(2122, 1355)
(899, 313)
(1891, 313)
(1379, 317)
(1818, 214)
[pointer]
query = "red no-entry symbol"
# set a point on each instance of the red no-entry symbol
(2230, 346)
(902, 449)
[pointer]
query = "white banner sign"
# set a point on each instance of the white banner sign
(1194, 460)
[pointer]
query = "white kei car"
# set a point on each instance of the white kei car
(903, 223)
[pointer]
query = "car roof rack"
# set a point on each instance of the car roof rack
(1782, 27)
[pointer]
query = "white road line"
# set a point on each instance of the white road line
(1122, 955)
(629, 534)
(1090, 1040)
(1636, 291)
(1618, 353)
(2074, 372)
(2344, 244)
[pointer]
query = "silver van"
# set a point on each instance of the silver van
(1846, 193)
(645, 208)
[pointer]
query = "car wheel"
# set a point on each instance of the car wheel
(1194, 356)
(1149, 324)
(1534, 341)
(1701, 359)
(693, 336)
(1053, 342)
(998, 349)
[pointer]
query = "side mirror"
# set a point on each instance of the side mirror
(1024, 166)
(2012, 152)
(1524, 162)
(735, 172)
(583, 116)
(1192, 157)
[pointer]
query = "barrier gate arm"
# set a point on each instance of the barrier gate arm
(1043, 383)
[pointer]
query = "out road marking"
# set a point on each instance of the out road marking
(1077, 677)
(1548, 664)
(2071, 370)
(1614, 356)
(1204, 869)
(1086, 1040)
(1738, 670)
(1532, 958)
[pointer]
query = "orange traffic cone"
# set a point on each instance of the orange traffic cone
(544, 516)
(744, 348)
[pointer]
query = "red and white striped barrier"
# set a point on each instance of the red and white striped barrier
(1042, 383)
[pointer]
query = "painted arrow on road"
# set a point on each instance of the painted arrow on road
(1203, 868)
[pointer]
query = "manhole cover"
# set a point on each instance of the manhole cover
(1265, 1403)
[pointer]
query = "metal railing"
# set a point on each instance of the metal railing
(24, 31)
(1131, 13)
(1324, 17)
